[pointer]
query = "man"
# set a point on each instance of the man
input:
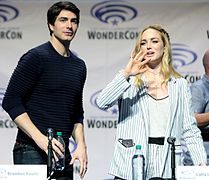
(200, 100)
(45, 91)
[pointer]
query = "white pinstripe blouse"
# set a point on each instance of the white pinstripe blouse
(133, 123)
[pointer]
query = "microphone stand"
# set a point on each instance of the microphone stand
(171, 140)
(173, 162)
(49, 158)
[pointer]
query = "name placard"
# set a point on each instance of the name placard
(23, 172)
(192, 172)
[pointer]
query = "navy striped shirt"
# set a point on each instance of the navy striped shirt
(49, 87)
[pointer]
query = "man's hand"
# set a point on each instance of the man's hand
(81, 155)
(58, 149)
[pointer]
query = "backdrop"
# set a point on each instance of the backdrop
(106, 36)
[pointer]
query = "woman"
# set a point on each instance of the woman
(154, 103)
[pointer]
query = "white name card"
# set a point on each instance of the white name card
(23, 172)
(192, 172)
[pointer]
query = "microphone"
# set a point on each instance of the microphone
(49, 159)
(50, 133)
(171, 140)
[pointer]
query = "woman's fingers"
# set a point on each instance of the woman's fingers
(140, 56)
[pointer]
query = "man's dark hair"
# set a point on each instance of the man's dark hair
(56, 8)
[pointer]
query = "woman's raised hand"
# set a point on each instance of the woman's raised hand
(136, 64)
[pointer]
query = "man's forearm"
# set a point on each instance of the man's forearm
(78, 134)
(24, 122)
(202, 119)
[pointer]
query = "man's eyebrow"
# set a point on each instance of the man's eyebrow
(75, 19)
(72, 19)
(63, 17)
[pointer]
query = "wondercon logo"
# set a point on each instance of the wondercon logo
(8, 13)
(113, 12)
(182, 55)
(72, 145)
(113, 110)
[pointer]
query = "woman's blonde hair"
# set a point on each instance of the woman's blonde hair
(167, 69)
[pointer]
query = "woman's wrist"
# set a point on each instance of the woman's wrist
(125, 73)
